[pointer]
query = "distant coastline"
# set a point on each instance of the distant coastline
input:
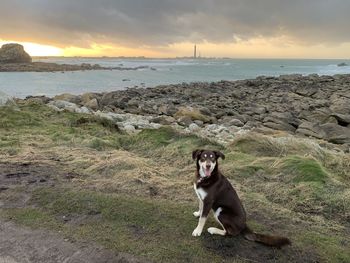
(55, 67)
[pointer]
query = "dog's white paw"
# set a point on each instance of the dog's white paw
(196, 232)
(196, 214)
(212, 230)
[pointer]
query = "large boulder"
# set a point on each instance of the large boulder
(331, 132)
(14, 53)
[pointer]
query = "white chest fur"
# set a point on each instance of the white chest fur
(200, 192)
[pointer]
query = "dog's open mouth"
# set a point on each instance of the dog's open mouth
(207, 172)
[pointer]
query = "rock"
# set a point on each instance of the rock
(167, 109)
(163, 119)
(199, 123)
(335, 133)
(190, 113)
(193, 127)
(64, 105)
(340, 105)
(310, 129)
(342, 64)
(306, 91)
(249, 125)
(92, 104)
(130, 129)
(14, 53)
(38, 99)
(83, 110)
(235, 122)
(184, 120)
(342, 119)
(86, 97)
(281, 121)
(115, 99)
(331, 132)
(320, 115)
(68, 97)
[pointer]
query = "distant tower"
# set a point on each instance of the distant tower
(195, 52)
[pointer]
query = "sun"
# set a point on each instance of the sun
(36, 50)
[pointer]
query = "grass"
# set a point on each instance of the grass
(303, 170)
(132, 225)
(132, 193)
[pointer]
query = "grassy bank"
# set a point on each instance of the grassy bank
(134, 194)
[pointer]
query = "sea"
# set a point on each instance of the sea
(155, 72)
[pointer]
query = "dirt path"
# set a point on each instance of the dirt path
(20, 244)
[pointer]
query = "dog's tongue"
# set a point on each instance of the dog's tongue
(207, 172)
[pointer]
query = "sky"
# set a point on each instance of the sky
(170, 28)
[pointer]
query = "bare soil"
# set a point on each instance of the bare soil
(20, 244)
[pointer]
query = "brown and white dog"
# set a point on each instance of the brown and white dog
(215, 192)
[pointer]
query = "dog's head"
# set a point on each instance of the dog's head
(206, 161)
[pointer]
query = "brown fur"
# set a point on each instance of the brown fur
(221, 194)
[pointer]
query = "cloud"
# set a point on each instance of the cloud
(157, 23)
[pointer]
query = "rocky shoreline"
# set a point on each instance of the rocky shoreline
(54, 67)
(313, 106)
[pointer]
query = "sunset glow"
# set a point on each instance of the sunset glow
(35, 49)
(277, 47)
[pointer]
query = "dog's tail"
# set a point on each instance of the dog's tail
(273, 241)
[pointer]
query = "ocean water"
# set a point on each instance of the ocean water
(159, 71)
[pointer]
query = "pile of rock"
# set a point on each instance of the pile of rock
(316, 106)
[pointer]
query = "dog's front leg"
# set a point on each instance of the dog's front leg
(202, 219)
(200, 209)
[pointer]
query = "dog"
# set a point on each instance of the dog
(215, 192)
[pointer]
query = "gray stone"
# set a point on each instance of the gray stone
(130, 129)
(68, 97)
(61, 104)
(92, 104)
(342, 118)
(193, 127)
(335, 133)
(164, 120)
(83, 110)
(199, 123)
(184, 120)
(310, 129)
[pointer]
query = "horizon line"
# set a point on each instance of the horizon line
(186, 57)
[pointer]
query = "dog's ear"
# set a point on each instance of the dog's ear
(219, 154)
(196, 154)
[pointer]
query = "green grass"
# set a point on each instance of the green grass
(336, 249)
(160, 230)
(303, 170)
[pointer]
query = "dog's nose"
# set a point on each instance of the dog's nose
(208, 166)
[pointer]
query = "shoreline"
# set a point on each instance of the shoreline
(55, 67)
(312, 106)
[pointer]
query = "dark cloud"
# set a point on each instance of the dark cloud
(162, 22)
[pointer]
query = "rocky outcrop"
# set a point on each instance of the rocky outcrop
(14, 53)
(316, 106)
